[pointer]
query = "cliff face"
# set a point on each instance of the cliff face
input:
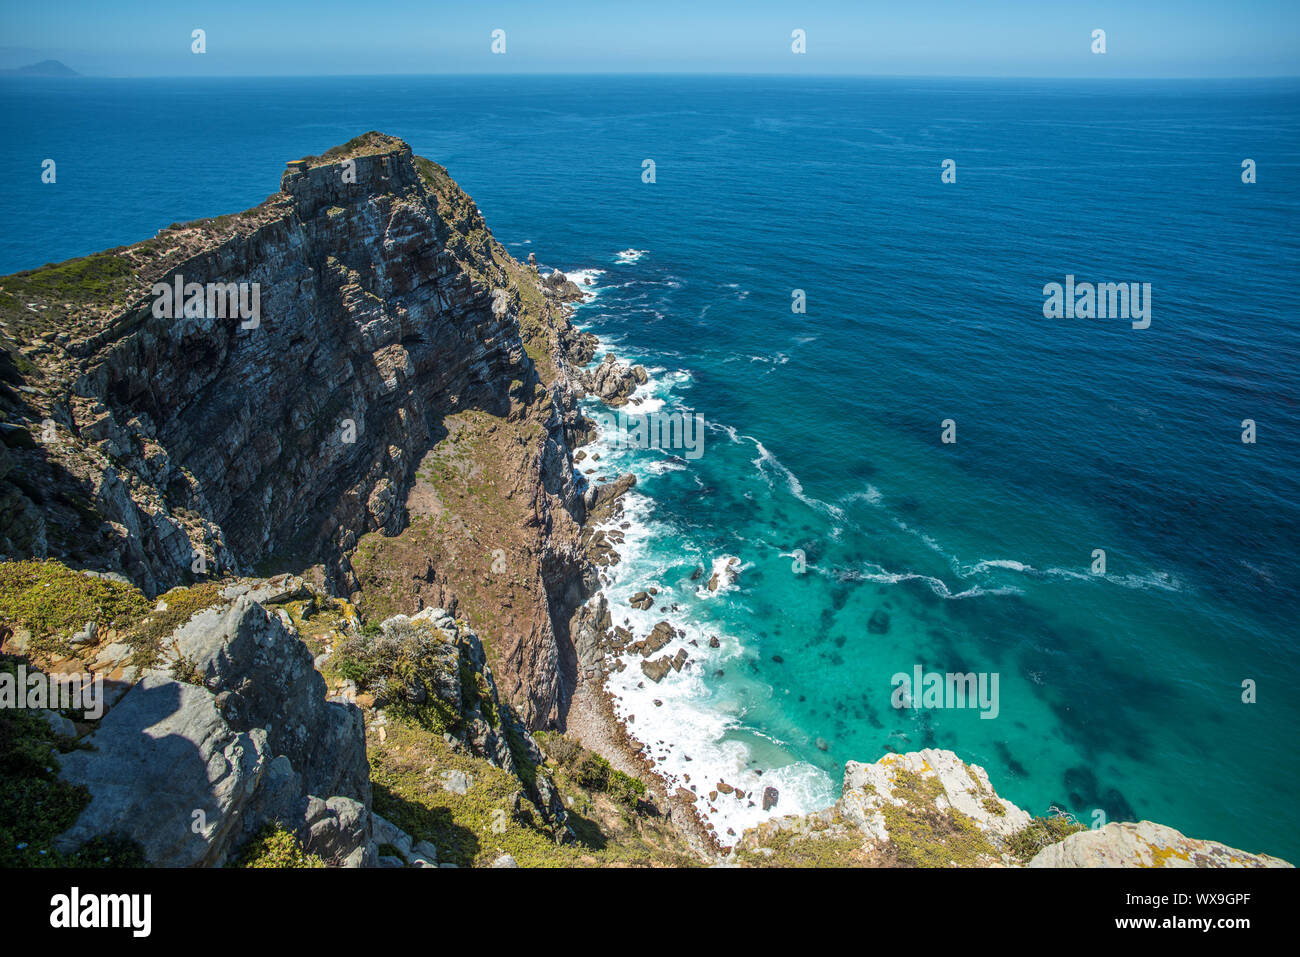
(171, 449)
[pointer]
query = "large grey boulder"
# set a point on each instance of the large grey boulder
(168, 772)
(192, 771)
(262, 676)
(1145, 844)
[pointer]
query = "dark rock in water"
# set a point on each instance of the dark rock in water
(660, 635)
(713, 641)
(822, 745)
(655, 670)
(879, 623)
(698, 573)
(778, 659)
(612, 381)
(770, 797)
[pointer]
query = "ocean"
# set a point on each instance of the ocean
(867, 546)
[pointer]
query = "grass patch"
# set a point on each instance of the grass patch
(183, 603)
(54, 602)
(274, 847)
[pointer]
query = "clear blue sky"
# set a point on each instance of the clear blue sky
(1049, 38)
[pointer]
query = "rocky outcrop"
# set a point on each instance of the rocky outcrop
(192, 769)
(433, 669)
(382, 307)
(931, 809)
(1145, 844)
(613, 382)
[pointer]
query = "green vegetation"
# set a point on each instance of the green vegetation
(596, 774)
(494, 817)
(816, 845)
(928, 837)
(54, 602)
(1041, 832)
(276, 848)
(366, 144)
(404, 666)
(922, 835)
(60, 290)
(183, 603)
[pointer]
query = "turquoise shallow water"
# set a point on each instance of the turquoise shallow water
(1119, 692)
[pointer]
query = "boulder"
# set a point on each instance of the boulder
(655, 670)
(1145, 844)
(192, 771)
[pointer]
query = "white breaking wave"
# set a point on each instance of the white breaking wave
(726, 569)
(691, 729)
(585, 278)
(629, 256)
(792, 481)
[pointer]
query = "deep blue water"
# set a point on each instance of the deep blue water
(1119, 692)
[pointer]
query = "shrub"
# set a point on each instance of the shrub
(274, 847)
(411, 669)
(1040, 832)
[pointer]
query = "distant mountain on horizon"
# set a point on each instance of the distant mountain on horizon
(44, 68)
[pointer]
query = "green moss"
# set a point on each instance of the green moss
(994, 807)
(275, 847)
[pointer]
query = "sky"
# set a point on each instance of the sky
(994, 38)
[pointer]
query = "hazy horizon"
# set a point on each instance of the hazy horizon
(1014, 39)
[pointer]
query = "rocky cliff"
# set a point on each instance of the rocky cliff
(179, 448)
